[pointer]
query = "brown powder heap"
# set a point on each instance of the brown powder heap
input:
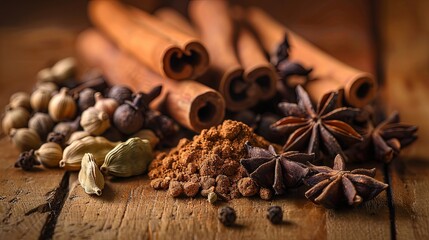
(215, 152)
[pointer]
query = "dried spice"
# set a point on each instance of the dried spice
(49, 154)
(62, 106)
(279, 172)
(86, 99)
(57, 138)
(129, 117)
(275, 214)
(161, 125)
(384, 141)
(90, 177)
(247, 187)
(20, 99)
(127, 159)
(27, 160)
(25, 139)
(41, 123)
(107, 105)
(15, 118)
(321, 131)
(40, 100)
(333, 187)
(227, 216)
(215, 151)
(120, 94)
(98, 146)
(282, 52)
(175, 189)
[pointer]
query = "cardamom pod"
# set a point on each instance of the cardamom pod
(127, 159)
(15, 118)
(107, 105)
(94, 121)
(149, 135)
(49, 154)
(77, 136)
(90, 177)
(62, 106)
(98, 146)
(25, 139)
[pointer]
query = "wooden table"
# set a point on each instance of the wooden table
(390, 39)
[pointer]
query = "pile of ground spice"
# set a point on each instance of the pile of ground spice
(210, 162)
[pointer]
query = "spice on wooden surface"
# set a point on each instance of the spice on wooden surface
(227, 216)
(275, 214)
(215, 153)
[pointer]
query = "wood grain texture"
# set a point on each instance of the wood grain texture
(21, 192)
(405, 36)
(130, 209)
(410, 184)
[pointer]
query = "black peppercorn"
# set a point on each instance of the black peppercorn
(26, 160)
(151, 95)
(120, 94)
(264, 128)
(129, 117)
(227, 216)
(86, 99)
(275, 214)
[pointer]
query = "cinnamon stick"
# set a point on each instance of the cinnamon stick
(242, 79)
(190, 103)
(329, 74)
(163, 49)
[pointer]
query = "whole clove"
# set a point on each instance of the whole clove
(129, 117)
(27, 160)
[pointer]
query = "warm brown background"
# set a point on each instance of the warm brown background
(389, 38)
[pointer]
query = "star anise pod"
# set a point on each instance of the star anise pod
(332, 187)
(288, 68)
(271, 170)
(385, 140)
(321, 131)
(282, 52)
(26, 160)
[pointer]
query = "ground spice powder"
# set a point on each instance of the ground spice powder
(214, 152)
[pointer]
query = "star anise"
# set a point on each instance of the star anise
(26, 160)
(282, 52)
(385, 140)
(279, 172)
(332, 187)
(321, 131)
(288, 68)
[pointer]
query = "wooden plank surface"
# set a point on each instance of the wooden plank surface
(129, 208)
(23, 196)
(405, 37)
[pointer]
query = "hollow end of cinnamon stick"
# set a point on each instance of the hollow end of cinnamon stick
(361, 90)
(207, 110)
(239, 93)
(265, 78)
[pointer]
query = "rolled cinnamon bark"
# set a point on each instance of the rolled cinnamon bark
(244, 79)
(257, 69)
(329, 74)
(190, 103)
(175, 19)
(163, 49)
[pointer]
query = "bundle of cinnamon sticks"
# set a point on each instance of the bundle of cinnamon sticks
(217, 62)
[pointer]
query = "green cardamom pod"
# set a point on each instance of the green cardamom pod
(90, 177)
(127, 159)
(98, 146)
